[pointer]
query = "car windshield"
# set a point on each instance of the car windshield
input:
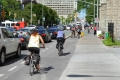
(41, 31)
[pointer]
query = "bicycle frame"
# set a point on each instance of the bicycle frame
(59, 48)
(32, 66)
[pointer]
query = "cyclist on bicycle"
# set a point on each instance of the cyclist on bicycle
(34, 44)
(60, 35)
(79, 28)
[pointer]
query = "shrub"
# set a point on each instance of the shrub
(108, 42)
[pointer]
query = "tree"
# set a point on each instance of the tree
(87, 8)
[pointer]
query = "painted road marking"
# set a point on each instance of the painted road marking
(23, 62)
(12, 68)
(43, 50)
(1, 75)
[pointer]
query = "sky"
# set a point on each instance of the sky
(82, 14)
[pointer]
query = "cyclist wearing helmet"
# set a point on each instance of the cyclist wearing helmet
(34, 44)
(60, 35)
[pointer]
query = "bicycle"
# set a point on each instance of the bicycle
(60, 47)
(32, 65)
(78, 34)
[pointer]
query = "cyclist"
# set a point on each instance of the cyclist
(79, 28)
(34, 44)
(60, 35)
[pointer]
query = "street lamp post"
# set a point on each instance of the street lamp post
(31, 12)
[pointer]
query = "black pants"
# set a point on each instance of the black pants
(36, 51)
(94, 32)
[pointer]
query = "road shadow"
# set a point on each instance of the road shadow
(75, 75)
(12, 60)
(65, 54)
(45, 70)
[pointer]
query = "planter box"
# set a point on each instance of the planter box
(101, 37)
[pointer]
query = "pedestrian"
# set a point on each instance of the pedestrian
(95, 30)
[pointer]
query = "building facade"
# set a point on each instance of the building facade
(62, 7)
(110, 12)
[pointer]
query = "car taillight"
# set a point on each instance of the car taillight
(21, 40)
(43, 34)
(55, 32)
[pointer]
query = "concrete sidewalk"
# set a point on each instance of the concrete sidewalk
(92, 60)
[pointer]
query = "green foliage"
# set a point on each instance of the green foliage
(108, 42)
(88, 8)
(100, 35)
(12, 7)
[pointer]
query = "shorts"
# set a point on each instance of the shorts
(62, 39)
(34, 49)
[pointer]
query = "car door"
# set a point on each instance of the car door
(14, 42)
(7, 40)
(48, 34)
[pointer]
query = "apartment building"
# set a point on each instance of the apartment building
(62, 7)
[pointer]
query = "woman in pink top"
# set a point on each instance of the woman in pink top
(95, 30)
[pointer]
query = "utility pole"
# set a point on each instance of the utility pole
(42, 13)
(94, 14)
(31, 12)
(97, 15)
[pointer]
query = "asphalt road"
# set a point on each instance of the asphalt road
(52, 65)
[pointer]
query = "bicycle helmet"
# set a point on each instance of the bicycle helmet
(34, 31)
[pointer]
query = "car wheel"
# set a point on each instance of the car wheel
(18, 53)
(2, 57)
(26, 45)
(46, 39)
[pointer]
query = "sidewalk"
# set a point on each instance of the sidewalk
(92, 60)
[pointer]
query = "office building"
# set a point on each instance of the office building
(62, 7)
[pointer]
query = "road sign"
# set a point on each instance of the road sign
(96, 20)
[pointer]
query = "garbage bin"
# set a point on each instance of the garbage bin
(106, 35)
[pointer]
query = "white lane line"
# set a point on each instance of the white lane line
(23, 62)
(12, 68)
(1, 75)
(43, 50)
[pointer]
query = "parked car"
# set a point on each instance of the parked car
(24, 41)
(53, 31)
(31, 26)
(9, 45)
(24, 35)
(40, 27)
(26, 30)
(45, 35)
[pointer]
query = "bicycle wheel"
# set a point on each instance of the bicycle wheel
(32, 69)
(78, 36)
(59, 49)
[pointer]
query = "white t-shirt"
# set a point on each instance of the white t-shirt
(60, 34)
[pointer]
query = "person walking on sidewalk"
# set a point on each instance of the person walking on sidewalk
(95, 30)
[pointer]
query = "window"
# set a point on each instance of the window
(18, 24)
(5, 33)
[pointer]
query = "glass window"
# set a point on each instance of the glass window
(18, 24)
(5, 33)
